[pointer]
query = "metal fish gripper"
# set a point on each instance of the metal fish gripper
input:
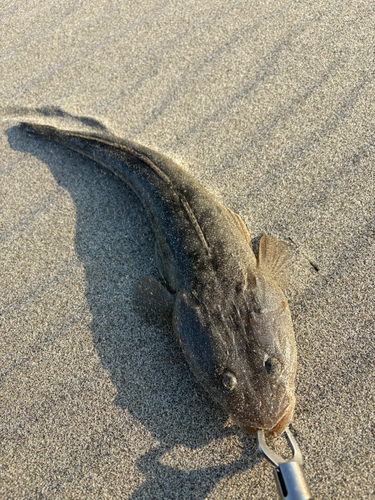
(289, 476)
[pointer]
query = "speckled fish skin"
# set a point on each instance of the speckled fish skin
(230, 314)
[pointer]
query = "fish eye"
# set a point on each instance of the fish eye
(272, 366)
(229, 380)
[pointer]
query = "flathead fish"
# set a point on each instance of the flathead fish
(230, 313)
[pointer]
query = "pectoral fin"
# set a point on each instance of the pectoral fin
(275, 259)
(153, 300)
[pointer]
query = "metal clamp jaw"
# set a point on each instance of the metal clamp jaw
(289, 476)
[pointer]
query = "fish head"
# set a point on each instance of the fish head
(242, 350)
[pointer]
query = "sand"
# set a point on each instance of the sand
(271, 106)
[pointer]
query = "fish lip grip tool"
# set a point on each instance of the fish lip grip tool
(289, 476)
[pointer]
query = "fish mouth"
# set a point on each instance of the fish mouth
(278, 429)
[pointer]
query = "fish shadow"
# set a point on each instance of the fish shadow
(115, 244)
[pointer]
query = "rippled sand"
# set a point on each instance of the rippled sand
(271, 106)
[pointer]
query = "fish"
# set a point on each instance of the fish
(227, 302)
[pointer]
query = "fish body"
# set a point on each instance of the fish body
(230, 314)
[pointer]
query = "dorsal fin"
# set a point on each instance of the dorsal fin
(240, 224)
(274, 259)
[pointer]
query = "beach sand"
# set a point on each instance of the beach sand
(271, 106)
